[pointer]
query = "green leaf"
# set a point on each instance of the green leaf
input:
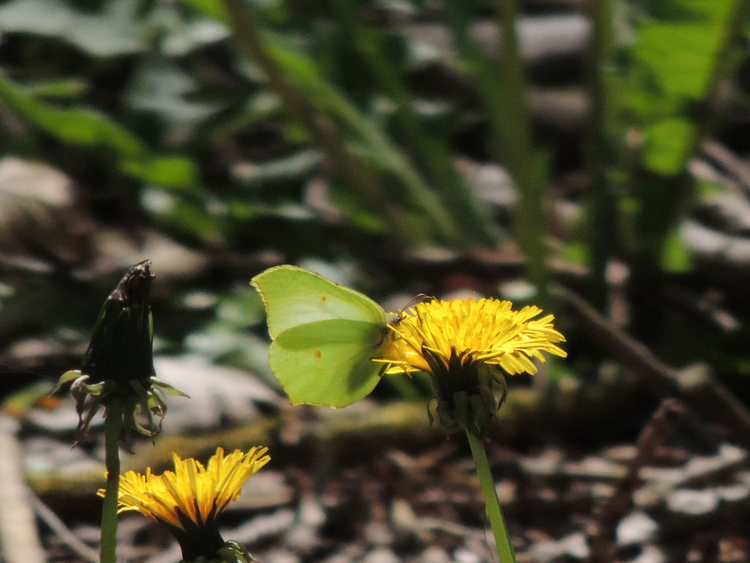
(667, 146)
(680, 56)
(115, 31)
(676, 255)
(80, 126)
(299, 65)
(577, 252)
(191, 219)
(164, 88)
(214, 9)
(63, 88)
(170, 172)
(91, 128)
(281, 170)
(690, 10)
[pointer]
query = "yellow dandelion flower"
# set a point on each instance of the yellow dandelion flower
(486, 329)
(465, 345)
(188, 499)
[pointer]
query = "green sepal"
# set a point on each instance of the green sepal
(468, 392)
(167, 388)
(68, 376)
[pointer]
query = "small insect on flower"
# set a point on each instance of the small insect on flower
(467, 346)
(188, 500)
(401, 315)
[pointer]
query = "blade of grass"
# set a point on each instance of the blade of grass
(603, 237)
(518, 147)
(432, 152)
(380, 148)
(321, 128)
(503, 91)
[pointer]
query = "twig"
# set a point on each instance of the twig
(729, 161)
(62, 531)
(607, 516)
(19, 539)
(695, 384)
(705, 306)
(658, 377)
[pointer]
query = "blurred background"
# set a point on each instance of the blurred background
(589, 157)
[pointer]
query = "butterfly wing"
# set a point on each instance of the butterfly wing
(294, 296)
(328, 362)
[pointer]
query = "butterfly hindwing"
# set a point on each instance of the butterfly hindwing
(327, 362)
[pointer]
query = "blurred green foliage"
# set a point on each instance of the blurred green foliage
(238, 126)
(185, 89)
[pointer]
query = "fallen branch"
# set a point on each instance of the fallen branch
(695, 384)
(602, 531)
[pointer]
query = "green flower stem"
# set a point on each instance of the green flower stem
(516, 143)
(598, 152)
(502, 87)
(492, 503)
(112, 430)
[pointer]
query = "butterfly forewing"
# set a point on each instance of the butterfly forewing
(294, 297)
